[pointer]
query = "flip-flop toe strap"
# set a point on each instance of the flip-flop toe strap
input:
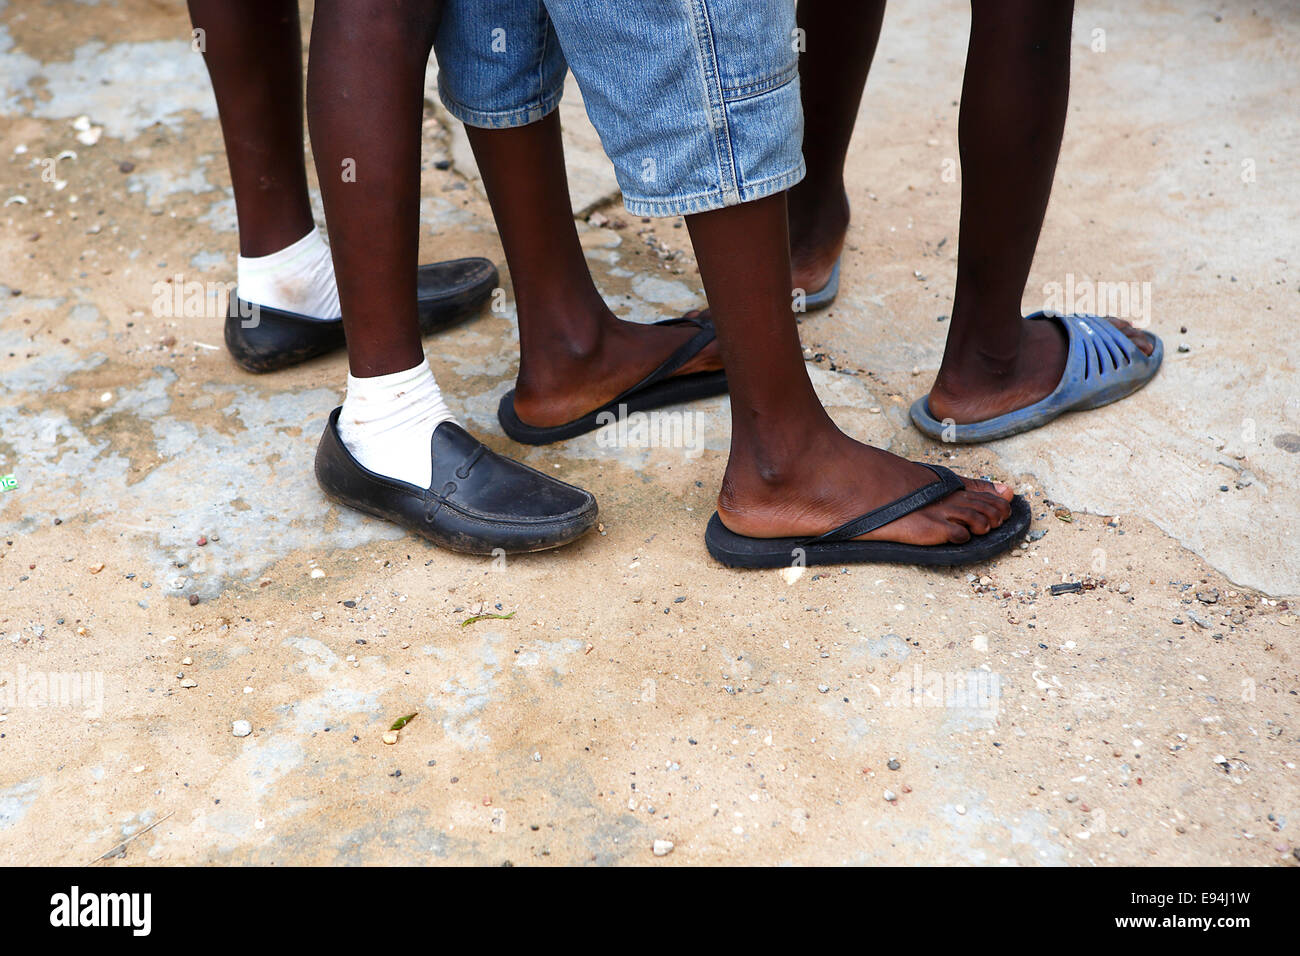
(687, 351)
(946, 484)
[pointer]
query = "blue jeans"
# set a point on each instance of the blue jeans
(696, 101)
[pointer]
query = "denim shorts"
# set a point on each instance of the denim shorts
(696, 101)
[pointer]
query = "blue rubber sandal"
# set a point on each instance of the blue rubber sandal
(1103, 366)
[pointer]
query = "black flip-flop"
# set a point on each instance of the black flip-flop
(657, 389)
(838, 546)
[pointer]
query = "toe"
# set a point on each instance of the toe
(995, 488)
(1143, 340)
(994, 509)
(958, 533)
(973, 518)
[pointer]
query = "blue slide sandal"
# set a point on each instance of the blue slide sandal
(1102, 366)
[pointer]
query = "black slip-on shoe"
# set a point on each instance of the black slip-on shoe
(448, 293)
(262, 339)
(477, 501)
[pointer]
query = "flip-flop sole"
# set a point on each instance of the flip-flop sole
(671, 391)
(738, 551)
(823, 297)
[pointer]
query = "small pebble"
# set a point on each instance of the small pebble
(893, 765)
(890, 796)
(390, 737)
(662, 847)
(241, 728)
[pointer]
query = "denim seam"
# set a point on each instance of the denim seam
(719, 123)
(543, 22)
(500, 119)
(733, 94)
(713, 198)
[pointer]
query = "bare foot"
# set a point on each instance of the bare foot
(981, 392)
(842, 479)
(556, 387)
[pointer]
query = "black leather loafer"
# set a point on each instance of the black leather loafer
(478, 501)
(262, 339)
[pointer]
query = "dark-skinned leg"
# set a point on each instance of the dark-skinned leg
(253, 51)
(791, 470)
(367, 121)
(574, 353)
(365, 103)
(840, 44)
(1013, 108)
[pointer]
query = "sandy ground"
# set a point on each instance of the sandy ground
(640, 692)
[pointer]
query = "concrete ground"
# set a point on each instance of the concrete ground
(640, 692)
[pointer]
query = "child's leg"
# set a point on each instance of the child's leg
(253, 51)
(792, 472)
(722, 146)
(365, 105)
(574, 353)
(839, 46)
(1012, 118)
(365, 128)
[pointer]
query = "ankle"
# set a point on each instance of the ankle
(555, 359)
(984, 348)
(819, 210)
(769, 469)
(564, 327)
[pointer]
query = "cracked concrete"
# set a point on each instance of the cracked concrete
(639, 691)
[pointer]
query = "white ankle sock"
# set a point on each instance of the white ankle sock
(388, 420)
(299, 278)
